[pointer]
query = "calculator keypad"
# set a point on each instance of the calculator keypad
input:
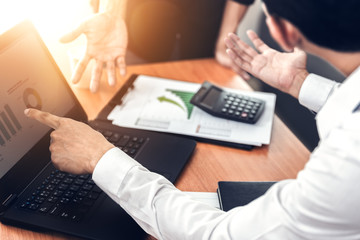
(241, 108)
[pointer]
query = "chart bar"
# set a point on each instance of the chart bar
(12, 116)
(4, 131)
(7, 122)
(2, 141)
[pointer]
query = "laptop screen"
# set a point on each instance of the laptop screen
(28, 79)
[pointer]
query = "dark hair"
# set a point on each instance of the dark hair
(333, 24)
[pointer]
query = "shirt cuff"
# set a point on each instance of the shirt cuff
(112, 169)
(315, 91)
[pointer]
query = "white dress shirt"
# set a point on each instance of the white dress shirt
(322, 203)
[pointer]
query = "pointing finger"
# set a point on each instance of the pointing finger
(43, 117)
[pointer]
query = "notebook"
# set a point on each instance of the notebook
(33, 194)
(233, 194)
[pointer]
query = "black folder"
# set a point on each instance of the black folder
(233, 194)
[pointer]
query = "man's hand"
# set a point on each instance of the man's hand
(107, 41)
(222, 57)
(75, 147)
(285, 71)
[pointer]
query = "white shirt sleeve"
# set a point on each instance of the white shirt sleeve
(315, 91)
(320, 204)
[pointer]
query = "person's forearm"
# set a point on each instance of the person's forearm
(154, 203)
(233, 14)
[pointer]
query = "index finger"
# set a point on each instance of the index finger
(43, 117)
(258, 43)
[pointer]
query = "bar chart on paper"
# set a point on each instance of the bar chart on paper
(9, 124)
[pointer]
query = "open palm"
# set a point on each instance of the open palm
(280, 70)
(107, 41)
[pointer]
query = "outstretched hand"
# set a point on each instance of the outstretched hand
(285, 71)
(107, 41)
(75, 147)
(222, 57)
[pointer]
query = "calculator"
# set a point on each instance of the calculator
(224, 104)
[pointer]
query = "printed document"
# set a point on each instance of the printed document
(163, 105)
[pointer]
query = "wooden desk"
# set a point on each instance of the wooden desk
(282, 159)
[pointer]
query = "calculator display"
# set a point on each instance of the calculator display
(211, 98)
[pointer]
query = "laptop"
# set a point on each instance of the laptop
(33, 194)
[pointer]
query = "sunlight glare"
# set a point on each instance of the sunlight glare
(48, 16)
(52, 19)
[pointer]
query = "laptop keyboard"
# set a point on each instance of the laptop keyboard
(71, 196)
(64, 195)
(129, 144)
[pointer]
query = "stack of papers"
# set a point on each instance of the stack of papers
(163, 105)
